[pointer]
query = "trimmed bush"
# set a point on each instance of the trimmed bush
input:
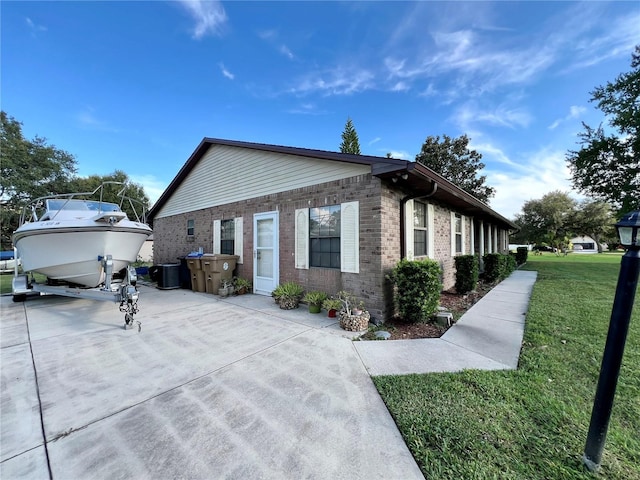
(417, 288)
(466, 273)
(522, 254)
(498, 266)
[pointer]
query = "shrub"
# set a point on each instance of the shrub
(417, 288)
(498, 266)
(466, 273)
(315, 298)
(522, 254)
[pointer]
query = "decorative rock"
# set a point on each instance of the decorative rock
(383, 335)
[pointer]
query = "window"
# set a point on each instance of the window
(227, 237)
(334, 232)
(458, 233)
(190, 227)
(419, 229)
(324, 236)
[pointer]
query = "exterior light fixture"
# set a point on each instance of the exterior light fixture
(627, 228)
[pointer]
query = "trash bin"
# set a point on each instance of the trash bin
(217, 268)
(185, 274)
(197, 274)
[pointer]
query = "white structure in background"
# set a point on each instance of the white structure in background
(146, 251)
(585, 244)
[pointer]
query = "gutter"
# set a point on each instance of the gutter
(403, 202)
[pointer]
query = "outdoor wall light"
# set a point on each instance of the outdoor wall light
(616, 338)
(628, 227)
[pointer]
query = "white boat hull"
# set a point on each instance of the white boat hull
(75, 254)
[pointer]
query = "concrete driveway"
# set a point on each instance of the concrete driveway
(208, 389)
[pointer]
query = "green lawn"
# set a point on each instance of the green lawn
(531, 423)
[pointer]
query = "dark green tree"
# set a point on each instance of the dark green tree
(595, 219)
(452, 159)
(607, 166)
(350, 142)
(547, 221)
(28, 169)
(112, 193)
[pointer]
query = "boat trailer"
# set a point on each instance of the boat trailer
(125, 292)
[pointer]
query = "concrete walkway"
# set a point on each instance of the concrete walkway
(219, 388)
(209, 389)
(487, 337)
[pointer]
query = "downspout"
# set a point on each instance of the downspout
(403, 247)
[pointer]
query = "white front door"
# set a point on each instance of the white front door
(265, 253)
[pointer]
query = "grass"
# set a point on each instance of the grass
(531, 423)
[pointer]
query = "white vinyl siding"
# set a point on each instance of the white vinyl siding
(349, 238)
(237, 241)
(228, 174)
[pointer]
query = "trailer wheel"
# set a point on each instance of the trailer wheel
(19, 297)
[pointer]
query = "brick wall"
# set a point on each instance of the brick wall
(380, 245)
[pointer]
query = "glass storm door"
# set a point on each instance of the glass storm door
(265, 253)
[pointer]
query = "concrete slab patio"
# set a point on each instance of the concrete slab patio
(209, 388)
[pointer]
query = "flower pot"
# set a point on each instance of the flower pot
(287, 303)
(223, 292)
(241, 291)
(314, 308)
(354, 323)
(332, 313)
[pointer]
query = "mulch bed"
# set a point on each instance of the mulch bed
(449, 300)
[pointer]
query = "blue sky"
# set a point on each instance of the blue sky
(137, 85)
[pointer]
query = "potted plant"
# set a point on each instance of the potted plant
(226, 288)
(353, 317)
(288, 295)
(332, 306)
(241, 285)
(314, 300)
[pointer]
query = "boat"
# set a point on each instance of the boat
(68, 237)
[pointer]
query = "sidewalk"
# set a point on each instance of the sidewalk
(487, 337)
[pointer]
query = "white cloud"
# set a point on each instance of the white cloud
(286, 52)
(531, 177)
(34, 27)
(574, 113)
(209, 16)
(470, 114)
(226, 72)
(399, 154)
(375, 140)
(307, 109)
(340, 81)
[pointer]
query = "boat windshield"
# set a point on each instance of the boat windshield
(81, 205)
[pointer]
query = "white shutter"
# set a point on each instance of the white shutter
(237, 241)
(350, 237)
(302, 238)
(453, 234)
(463, 225)
(431, 232)
(216, 236)
(408, 230)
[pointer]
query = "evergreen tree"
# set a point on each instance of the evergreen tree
(350, 142)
